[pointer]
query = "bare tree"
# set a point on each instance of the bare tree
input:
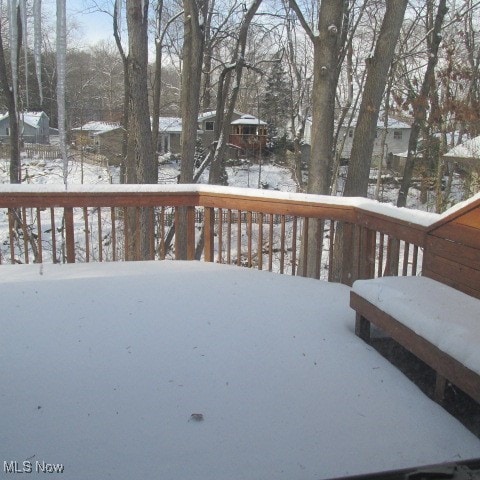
(229, 86)
(420, 102)
(377, 74)
(10, 90)
(326, 50)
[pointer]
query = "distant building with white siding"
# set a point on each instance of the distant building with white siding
(396, 141)
(34, 127)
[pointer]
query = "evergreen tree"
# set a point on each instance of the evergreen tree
(275, 105)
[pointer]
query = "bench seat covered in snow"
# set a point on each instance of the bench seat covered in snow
(437, 323)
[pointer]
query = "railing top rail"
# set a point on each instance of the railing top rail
(362, 211)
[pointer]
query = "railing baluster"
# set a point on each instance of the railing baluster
(220, 236)
(54, 236)
(161, 226)
(282, 245)
(114, 234)
(260, 240)
(100, 235)
(39, 237)
(239, 237)
(11, 229)
(414, 259)
(151, 229)
(69, 234)
(87, 234)
(319, 246)
(23, 220)
(249, 239)
(209, 235)
(126, 239)
(270, 243)
(229, 237)
(305, 247)
(381, 246)
(406, 253)
(331, 250)
(294, 246)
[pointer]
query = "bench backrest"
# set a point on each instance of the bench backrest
(452, 249)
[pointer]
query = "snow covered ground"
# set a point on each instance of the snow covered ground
(105, 364)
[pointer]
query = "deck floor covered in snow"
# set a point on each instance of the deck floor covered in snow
(188, 370)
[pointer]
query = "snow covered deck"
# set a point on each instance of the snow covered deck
(105, 363)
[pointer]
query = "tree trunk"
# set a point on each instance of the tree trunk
(420, 103)
(15, 165)
(377, 74)
(326, 53)
(157, 82)
(227, 99)
(140, 138)
(365, 130)
(126, 158)
(193, 44)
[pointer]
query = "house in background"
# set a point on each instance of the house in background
(84, 136)
(34, 128)
(396, 141)
(467, 155)
(248, 134)
(169, 135)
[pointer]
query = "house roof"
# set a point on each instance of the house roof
(97, 127)
(467, 150)
(212, 113)
(29, 118)
(392, 124)
(248, 120)
(170, 125)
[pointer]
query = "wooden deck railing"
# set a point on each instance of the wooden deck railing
(251, 228)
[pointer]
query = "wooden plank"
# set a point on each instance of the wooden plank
(454, 283)
(54, 237)
(468, 236)
(249, 239)
(191, 233)
(117, 198)
(39, 237)
(294, 245)
(239, 237)
(11, 237)
(229, 236)
(453, 273)
(69, 234)
(209, 229)
(260, 241)
(282, 244)
(114, 234)
(442, 363)
(100, 235)
(450, 218)
(25, 235)
(462, 254)
(87, 234)
(470, 219)
(270, 243)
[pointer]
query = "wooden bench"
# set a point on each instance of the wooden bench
(437, 323)
(435, 316)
